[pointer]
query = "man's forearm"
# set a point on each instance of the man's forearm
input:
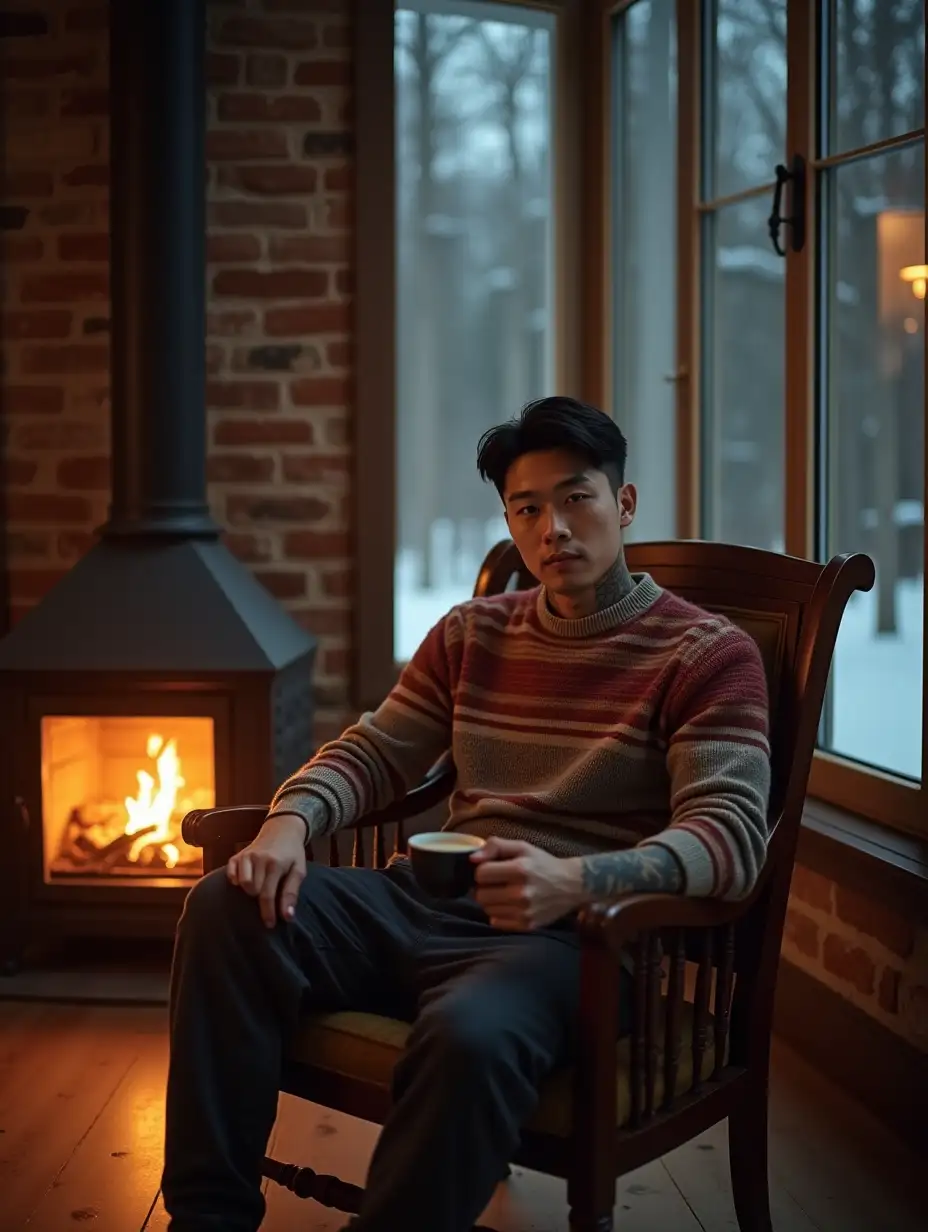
(651, 869)
(312, 813)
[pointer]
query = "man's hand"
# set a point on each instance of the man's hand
(521, 887)
(274, 862)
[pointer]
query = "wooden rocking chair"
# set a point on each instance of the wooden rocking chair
(688, 1061)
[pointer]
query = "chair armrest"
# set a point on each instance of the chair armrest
(208, 827)
(617, 922)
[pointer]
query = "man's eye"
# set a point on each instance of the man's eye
(527, 510)
(578, 496)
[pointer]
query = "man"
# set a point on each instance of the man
(608, 738)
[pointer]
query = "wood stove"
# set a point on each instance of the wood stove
(159, 675)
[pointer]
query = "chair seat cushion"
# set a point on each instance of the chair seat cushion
(366, 1047)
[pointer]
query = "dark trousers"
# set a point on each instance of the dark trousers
(493, 1014)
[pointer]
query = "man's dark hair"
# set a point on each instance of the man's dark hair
(554, 423)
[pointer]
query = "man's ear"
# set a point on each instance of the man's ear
(628, 503)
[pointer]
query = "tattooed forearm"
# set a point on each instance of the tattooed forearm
(640, 870)
(614, 585)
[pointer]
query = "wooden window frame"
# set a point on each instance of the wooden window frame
(580, 298)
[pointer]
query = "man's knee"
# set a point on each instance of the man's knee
(466, 1034)
(212, 904)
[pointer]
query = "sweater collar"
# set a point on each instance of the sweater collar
(643, 595)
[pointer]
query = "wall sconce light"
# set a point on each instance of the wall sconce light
(917, 275)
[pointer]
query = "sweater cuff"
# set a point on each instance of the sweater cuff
(313, 810)
(698, 869)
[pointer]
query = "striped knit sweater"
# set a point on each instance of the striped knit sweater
(645, 723)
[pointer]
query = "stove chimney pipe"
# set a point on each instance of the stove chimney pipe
(157, 270)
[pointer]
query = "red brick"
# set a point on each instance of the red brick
(274, 180)
(87, 20)
(285, 214)
(320, 391)
(72, 544)
(889, 991)
(802, 932)
(337, 431)
(849, 963)
(306, 319)
(17, 472)
(65, 360)
(276, 34)
(339, 353)
(812, 888)
(65, 288)
(279, 109)
(33, 399)
(273, 431)
(336, 35)
(20, 185)
(235, 247)
(323, 73)
(33, 583)
(269, 72)
(250, 549)
(215, 358)
(28, 544)
(334, 661)
(243, 395)
(55, 435)
(324, 621)
(314, 249)
(84, 474)
(338, 213)
(283, 583)
(45, 68)
(315, 545)
(93, 175)
(26, 104)
(239, 468)
(20, 248)
(271, 284)
(83, 246)
(93, 102)
(233, 143)
(222, 70)
(40, 323)
(344, 281)
(316, 468)
(231, 324)
(338, 583)
(47, 507)
(273, 509)
(875, 920)
(338, 179)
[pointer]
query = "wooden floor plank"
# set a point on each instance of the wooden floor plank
(56, 1089)
(112, 1178)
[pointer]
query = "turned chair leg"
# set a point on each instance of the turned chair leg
(747, 1154)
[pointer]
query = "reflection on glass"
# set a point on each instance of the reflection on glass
(748, 94)
(743, 469)
(474, 272)
(879, 80)
(875, 450)
(645, 145)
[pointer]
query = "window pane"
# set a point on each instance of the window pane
(645, 145)
(875, 452)
(879, 79)
(747, 84)
(474, 273)
(742, 379)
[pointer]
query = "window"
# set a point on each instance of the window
(644, 118)
(474, 207)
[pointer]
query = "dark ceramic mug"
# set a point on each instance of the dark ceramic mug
(441, 861)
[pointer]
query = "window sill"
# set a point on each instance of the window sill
(872, 859)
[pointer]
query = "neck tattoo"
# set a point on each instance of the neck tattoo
(614, 585)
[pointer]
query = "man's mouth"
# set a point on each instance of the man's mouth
(560, 558)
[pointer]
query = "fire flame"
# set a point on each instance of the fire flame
(154, 803)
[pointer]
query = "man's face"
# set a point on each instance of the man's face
(564, 519)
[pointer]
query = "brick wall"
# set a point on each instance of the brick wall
(863, 950)
(279, 148)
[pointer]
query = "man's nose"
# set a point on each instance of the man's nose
(555, 526)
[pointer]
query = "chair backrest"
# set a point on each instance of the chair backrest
(792, 608)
